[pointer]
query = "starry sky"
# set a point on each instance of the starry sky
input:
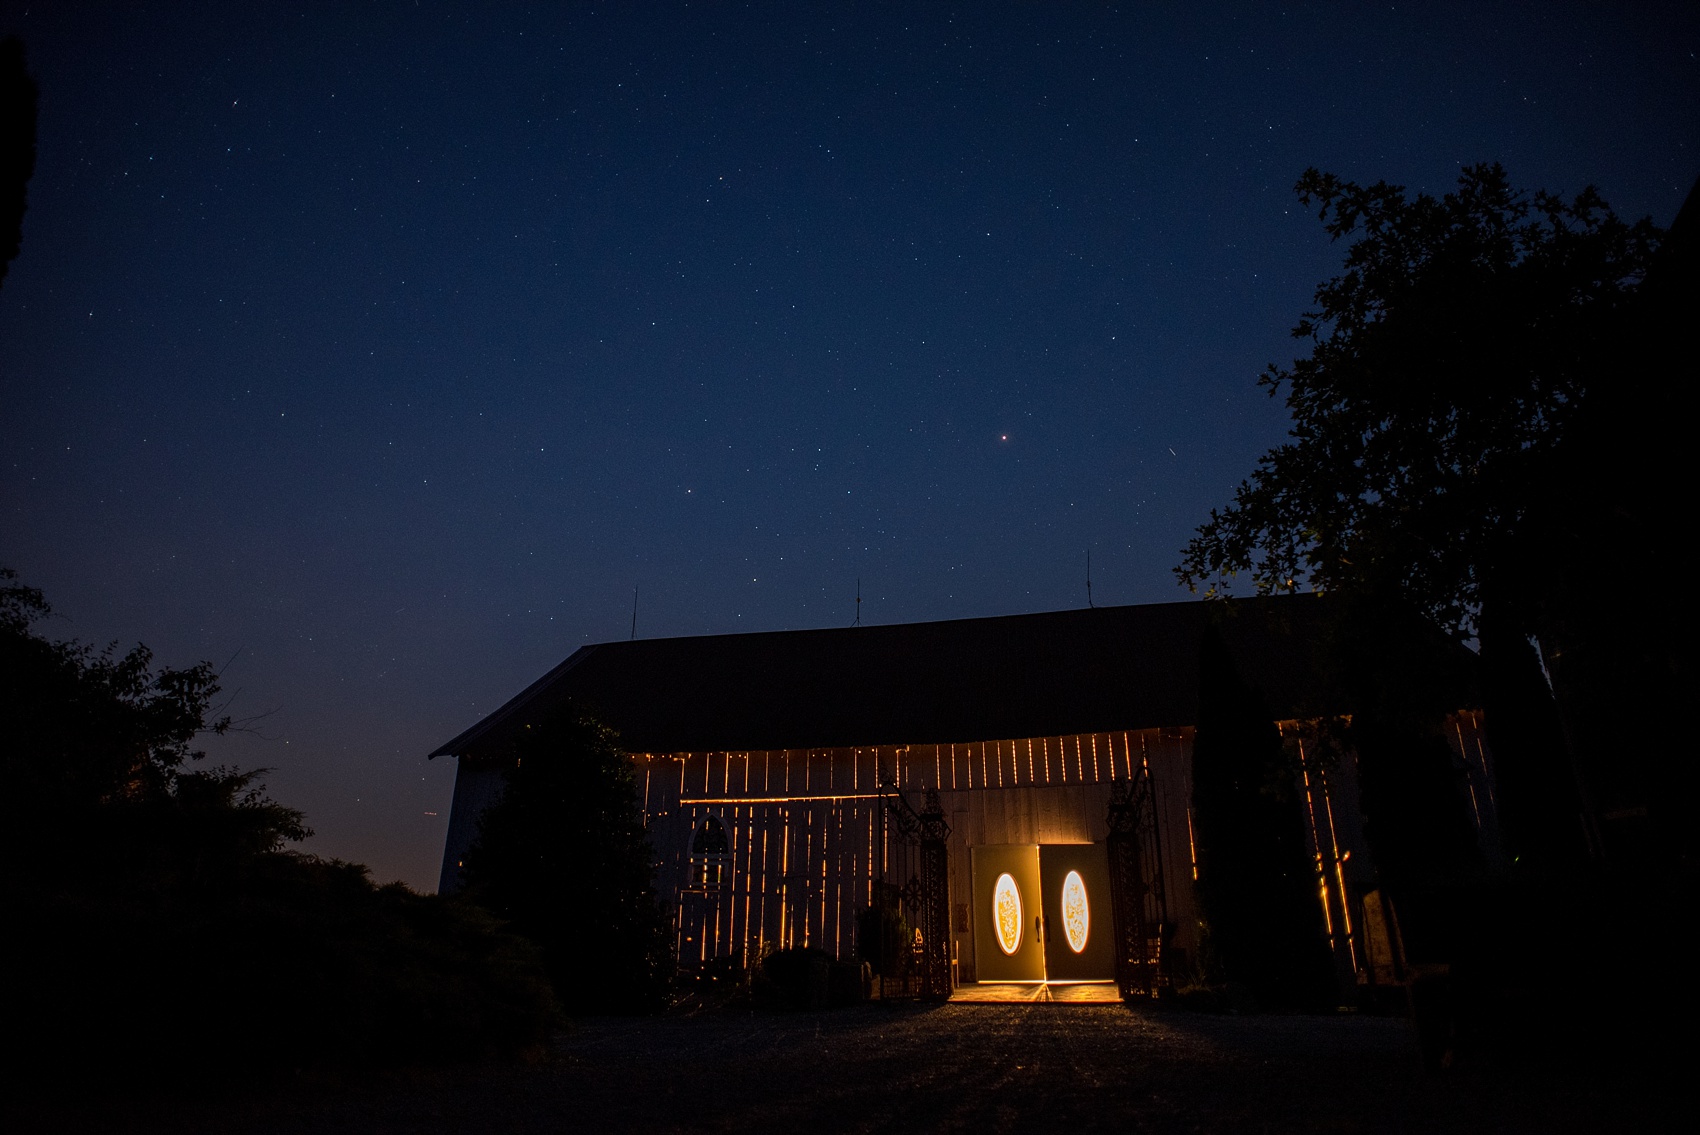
(377, 352)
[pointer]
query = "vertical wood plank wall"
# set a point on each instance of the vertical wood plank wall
(806, 842)
(1328, 795)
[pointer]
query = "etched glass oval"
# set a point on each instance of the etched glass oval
(1006, 913)
(1077, 917)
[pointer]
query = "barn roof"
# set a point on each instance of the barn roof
(1092, 670)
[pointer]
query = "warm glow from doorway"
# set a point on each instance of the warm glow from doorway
(1006, 913)
(1077, 918)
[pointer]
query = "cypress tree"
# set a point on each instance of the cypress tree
(563, 857)
(1256, 886)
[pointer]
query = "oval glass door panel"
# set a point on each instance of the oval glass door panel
(1077, 916)
(1006, 913)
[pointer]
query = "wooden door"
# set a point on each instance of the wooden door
(1074, 879)
(1008, 913)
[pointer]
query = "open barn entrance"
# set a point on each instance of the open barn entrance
(1042, 913)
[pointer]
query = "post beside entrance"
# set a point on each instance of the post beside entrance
(934, 921)
(1136, 883)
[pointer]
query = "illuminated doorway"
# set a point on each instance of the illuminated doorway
(1074, 879)
(1042, 912)
(1008, 915)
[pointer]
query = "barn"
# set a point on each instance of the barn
(1014, 793)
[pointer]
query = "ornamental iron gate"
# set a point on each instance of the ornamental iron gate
(1138, 902)
(912, 900)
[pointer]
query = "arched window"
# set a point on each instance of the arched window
(711, 852)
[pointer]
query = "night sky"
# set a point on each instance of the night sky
(376, 352)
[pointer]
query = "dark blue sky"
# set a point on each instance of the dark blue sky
(375, 352)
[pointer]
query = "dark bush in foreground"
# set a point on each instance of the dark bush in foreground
(155, 923)
(806, 978)
(306, 964)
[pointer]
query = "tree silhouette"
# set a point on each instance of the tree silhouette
(1483, 432)
(1256, 885)
(158, 923)
(563, 856)
(1449, 362)
(17, 146)
(98, 745)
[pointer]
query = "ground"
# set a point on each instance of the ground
(977, 1068)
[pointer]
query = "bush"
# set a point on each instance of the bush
(305, 963)
(156, 922)
(807, 978)
(793, 979)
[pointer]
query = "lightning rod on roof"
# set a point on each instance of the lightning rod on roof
(634, 610)
(858, 621)
(1089, 602)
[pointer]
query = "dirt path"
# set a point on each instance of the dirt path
(958, 1068)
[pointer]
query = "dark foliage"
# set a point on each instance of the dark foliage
(1448, 363)
(17, 146)
(564, 859)
(158, 926)
(98, 745)
(1483, 433)
(883, 938)
(1541, 818)
(298, 962)
(1621, 660)
(804, 977)
(1256, 885)
(1417, 827)
(1403, 677)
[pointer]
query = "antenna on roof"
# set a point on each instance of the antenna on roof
(1089, 602)
(858, 621)
(634, 610)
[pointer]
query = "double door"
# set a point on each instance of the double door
(1042, 912)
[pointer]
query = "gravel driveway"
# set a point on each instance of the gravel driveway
(969, 1068)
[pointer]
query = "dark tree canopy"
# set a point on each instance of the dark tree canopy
(99, 745)
(1448, 363)
(1487, 430)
